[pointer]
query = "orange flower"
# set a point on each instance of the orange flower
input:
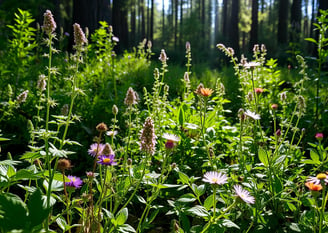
(206, 92)
(313, 187)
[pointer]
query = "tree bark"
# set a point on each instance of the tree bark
(283, 22)
(254, 26)
(234, 30)
(296, 20)
(120, 23)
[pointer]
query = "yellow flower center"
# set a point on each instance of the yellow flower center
(73, 179)
(106, 160)
(321, 176)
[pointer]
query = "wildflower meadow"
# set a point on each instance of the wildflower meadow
(95, 141)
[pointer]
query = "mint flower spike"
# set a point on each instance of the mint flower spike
(148, 137)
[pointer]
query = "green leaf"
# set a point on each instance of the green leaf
(208, 203)
(24, 174)
(122, 216)
(31, 155)
(189, 197)
(153, 216)
(311, 40)
(181, 116)
(126, 228)
(37, 212)
(184, 178)
(263, 157)
(314, 156)
(13, 213)
(294, 227)
(229, 224)
(199, 190)
(198, 211)
(61, 222)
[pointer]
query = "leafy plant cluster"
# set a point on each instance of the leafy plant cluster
(154, 161)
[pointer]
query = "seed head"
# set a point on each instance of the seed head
(102, 127)
(64, 164)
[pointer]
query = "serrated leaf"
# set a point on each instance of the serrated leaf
(31, 155)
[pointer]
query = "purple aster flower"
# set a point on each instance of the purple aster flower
(244, 195)
(74, 182)
(215, 178)
(96, 149)
(106, 160)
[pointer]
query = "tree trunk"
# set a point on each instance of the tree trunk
(120, 22)
(296, 20)
(152, 21)
(225, 19)
(133, 22)
(283, 22)
(234, 30)
(254, 26)
(175, 23)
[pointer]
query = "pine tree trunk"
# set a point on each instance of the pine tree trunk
(254, 26)
(283, 22)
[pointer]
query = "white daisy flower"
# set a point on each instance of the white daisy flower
(244, 194)
(215, 178)
(252, 115)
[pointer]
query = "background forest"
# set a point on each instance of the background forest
(279, 24)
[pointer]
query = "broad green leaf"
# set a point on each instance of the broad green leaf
(229, 224)
(13, 213)
(126, 228)
(263, 157)
(189, 197)
(31, 155)
(311, 40)
(184, 178)
(208, 203)
(122, 216)
(199, 190)
(24, 174)
(61, 222)
(37, 212)
(314, 156)
(198, 211)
